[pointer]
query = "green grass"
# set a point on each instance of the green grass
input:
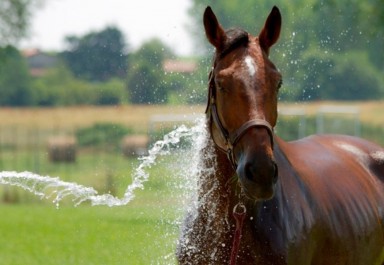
(42, 234)
(33, 231)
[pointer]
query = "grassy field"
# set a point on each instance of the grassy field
(34, 231)
(40, 234)
(139, 116)
(73, 117)
(371, 112)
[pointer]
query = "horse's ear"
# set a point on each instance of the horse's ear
(271, 30)
(214, 31)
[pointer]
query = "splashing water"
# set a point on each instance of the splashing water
(53, 188)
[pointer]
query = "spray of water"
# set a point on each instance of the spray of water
(53, 188)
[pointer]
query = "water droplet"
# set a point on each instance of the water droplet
(38, 184)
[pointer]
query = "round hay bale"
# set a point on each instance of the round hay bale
(135, 145)
(62, 149)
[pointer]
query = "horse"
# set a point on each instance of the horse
(316, 200)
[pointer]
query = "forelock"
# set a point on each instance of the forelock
(235, 39)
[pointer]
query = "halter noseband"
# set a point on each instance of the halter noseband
(231, 139)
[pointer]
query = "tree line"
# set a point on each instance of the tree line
(328, 50)
(97, 69)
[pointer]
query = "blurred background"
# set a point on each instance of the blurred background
(65, 52)
(88, 86)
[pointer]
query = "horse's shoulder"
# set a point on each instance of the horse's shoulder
(322, 159)
(333, 178)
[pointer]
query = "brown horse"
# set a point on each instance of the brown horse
(318, 200)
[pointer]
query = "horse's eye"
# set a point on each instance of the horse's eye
(219, 85)
(279, 84)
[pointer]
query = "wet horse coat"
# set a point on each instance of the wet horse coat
(318, 200)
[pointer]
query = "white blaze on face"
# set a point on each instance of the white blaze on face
(251, 65)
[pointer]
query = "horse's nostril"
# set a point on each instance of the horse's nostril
(248, 171)
(251, 171)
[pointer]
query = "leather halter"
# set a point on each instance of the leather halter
(231, 138)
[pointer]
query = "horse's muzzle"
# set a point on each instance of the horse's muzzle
(258, 179)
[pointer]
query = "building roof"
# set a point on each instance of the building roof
(179, 66)
(39, 62)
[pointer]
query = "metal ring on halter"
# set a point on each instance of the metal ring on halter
(239, 208)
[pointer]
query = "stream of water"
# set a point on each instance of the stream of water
(53, 188)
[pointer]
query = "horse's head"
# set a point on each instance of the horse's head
(243, 101)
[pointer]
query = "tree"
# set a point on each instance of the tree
(348, 76)
(15, 89)
(247, 14)
(15, 16)
(146, 79)
(97, 56)
(319, 42)
(58, 87)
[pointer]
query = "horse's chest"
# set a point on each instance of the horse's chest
(263, 240)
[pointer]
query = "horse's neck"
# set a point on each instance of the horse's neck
(206, 233)
(215, 187)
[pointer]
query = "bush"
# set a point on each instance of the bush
(102, 134)
(60, 88)
(110, 93)
(15, 89)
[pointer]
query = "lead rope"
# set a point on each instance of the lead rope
(239, 212)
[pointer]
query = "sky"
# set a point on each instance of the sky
(139, 20)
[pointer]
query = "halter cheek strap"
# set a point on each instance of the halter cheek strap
(231, 139)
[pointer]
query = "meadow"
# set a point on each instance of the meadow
(35, 231)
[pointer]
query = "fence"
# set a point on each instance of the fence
(338, 119)
(27, 149)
